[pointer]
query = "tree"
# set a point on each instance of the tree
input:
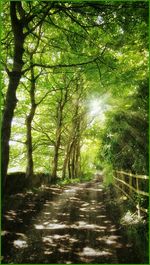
(20, 20)
(62, 100)
(125, 137)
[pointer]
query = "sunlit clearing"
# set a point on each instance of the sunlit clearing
(12, 213)
(50, 226)
(39, 227)
(101, 216)
(93, 189)
(109, 239)
(48, 252)
(87, 251)
(54, 239)
(72, 190)
(20, 243)
(62, 250)
(107, 222)
(29, 192)
(85, 204)
(56, 226)
(83, 225)
(60, 236)
(83, 209)
(47, 239)
(73, 240)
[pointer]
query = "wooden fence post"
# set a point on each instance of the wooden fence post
(132, 187)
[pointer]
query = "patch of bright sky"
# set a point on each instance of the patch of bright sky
(97, 107)
(32, 46)
(121, 31)
(10, 61)
(23, 79)
(16, 137)
(18, 121)
(16, 169)
(55, 56)
(99, 20)
(21, 96)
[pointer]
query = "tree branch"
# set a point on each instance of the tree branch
(41, 130)
(18, 141)
(38, 103)
(75, 20)
(59, 65)
(38, 23)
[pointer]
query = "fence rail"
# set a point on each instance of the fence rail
(128, 188)
(132, 175)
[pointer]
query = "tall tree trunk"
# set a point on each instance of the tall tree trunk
(59, 115)
(14, 78)
(65, 162)
(67, 156)
(29, 119)
(29, 168)
(73, 161)
(58, 139)
(56, 156)
(77, 159)
(69, 169)
(70, 160)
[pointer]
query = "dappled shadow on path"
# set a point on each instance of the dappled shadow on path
(72, 226)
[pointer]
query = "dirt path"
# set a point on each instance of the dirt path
(72, 226)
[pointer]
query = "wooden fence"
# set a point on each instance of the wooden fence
(130, 184)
